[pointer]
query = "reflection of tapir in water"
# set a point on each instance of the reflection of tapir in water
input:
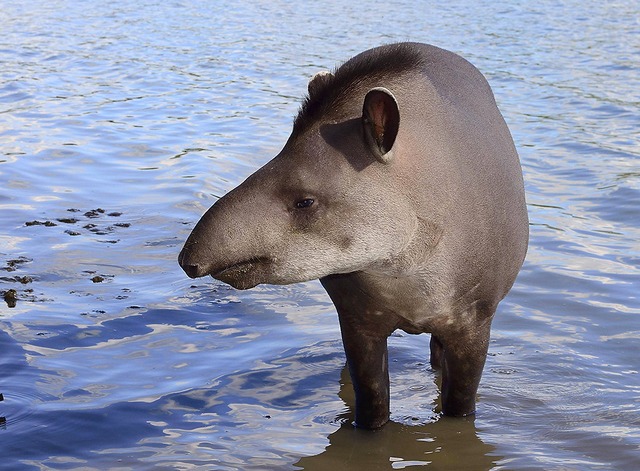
(442, 445)
(400, 188)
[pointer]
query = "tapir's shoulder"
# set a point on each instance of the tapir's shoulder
(450, 74)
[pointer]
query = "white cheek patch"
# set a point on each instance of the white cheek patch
(318, 261)
(372, 241)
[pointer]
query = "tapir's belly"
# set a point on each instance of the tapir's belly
(412, 304)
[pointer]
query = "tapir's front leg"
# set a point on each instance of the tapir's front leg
(369, 369)
(364, 334)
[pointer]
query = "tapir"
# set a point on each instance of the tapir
(400, 188)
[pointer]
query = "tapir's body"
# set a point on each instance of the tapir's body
(401, 189)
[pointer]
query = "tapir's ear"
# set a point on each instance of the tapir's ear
(381, 121)
(318, 80)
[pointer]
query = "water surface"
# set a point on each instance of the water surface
(120, 123)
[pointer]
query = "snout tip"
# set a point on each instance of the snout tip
(193, 270)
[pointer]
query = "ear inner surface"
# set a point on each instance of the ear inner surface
(381, 118)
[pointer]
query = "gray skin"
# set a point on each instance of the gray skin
(404, 196)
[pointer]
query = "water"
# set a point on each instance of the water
(119, 124)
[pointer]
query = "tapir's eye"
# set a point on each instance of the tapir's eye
(305, 203)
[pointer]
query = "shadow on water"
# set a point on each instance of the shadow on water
(446, 443)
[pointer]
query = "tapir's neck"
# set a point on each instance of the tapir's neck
(415, 256)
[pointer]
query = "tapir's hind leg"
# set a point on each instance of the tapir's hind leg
(437, 353)
(463, 360)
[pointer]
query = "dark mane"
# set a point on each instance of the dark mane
(380, 62)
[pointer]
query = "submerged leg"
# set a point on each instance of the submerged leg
(463, 360)
(364, 335)
(369, 370)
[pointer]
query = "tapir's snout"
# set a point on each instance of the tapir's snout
(193, 271)
(219, 246)
(242, 275)
(208, 250)
(192, 268)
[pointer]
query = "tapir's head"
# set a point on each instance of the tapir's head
(327, 204)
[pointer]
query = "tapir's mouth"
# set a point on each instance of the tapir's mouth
(242, 275)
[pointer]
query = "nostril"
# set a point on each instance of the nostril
(192, 271)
